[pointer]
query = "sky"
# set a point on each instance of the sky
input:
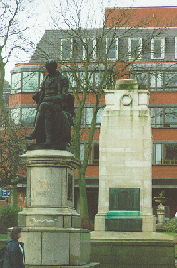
(43, 10)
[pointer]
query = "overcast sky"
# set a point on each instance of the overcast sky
(44, 8)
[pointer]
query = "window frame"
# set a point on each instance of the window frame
(93, 57)
(71, 49)
(164, 161)
(140, 41)
(116, 51)
(92, 161)
(176, 47)
(162, 48)
(164, 124)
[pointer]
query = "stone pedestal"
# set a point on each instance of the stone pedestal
(125, 176)
(50, 225)
(124, 226)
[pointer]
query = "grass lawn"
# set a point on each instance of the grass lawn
(3, 236)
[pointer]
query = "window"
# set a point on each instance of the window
(170, 80)
(88, 115)
(100, 49)
(135, 48)
(141, 78)
(29, 81)
(28, 116)
(94, 156)
(156, 117)
(66, 48)
(165, 153)
(78, 49)
(26, 81)
(94, 80)
(16, 81)
(175, 47)
(15, 115)
(112, 48)
(25, 116)
(158, 48)
(164, 117)
(89, 49)
(158, 80)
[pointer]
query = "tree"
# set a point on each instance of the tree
(13, 40)
(86, 56)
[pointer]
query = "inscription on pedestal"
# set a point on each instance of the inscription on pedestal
(124, 199)
(124, 210)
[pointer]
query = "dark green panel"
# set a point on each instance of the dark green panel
(124, 199)
(124, 225)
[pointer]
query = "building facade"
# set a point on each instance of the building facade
(136, 43)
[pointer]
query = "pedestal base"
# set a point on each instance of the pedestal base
(56, 246)
(148, 223)
(133, 250)
(90, 265)
(50, 226)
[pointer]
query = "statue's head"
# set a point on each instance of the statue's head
(51, 66)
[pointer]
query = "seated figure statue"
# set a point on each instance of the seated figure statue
(55, 108)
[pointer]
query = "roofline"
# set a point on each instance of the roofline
(141, 7)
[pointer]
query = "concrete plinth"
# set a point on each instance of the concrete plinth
(51, 228)
(125, 171)
(133, 250)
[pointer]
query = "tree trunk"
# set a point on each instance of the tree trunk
(2, 72)
(82, 194)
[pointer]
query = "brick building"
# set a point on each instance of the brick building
(143, 40)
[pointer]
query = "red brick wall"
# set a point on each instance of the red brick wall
(21, 98)
(160, 171)
(164, 134)
(163, 98)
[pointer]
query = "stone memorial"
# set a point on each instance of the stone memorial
(124, 234)
(125, 180)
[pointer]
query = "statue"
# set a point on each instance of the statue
(55, 110)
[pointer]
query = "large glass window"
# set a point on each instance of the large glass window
(15, 115)
(165, 154)
(141, 78)
(28, 116)
(158, 48)
(26, 81)
(170, 80)
(24, 116)
(135, 48)
(16, 81)
(29, 81)
(163, 117)
(158, 80)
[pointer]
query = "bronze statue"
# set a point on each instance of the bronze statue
(55, 109)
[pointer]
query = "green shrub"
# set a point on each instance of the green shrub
(9, 216)
(171, 225)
